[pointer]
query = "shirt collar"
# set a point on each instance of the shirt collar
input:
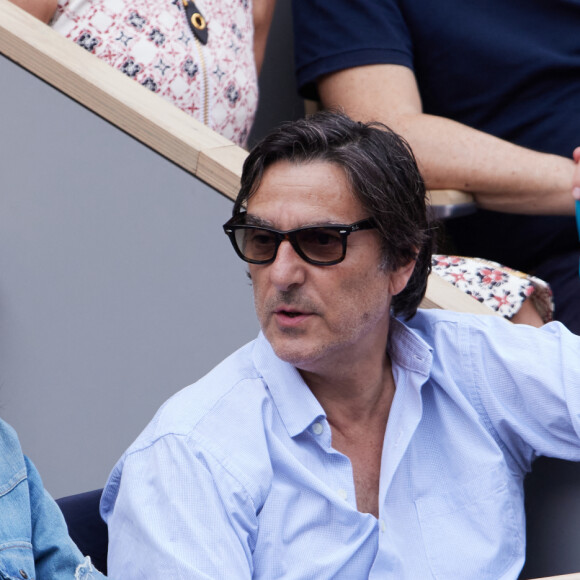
(408, 350)
(297, 406)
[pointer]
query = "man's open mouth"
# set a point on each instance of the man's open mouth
(290, 314)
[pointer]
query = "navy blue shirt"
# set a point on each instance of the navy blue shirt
(510, 68)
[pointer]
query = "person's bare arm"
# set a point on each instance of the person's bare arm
(42, 9)
(576, 181)
(263, 11)
(502, 176)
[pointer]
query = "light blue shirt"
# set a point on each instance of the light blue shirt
(236, 477)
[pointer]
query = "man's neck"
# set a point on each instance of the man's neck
(357, 406)
(355, 394)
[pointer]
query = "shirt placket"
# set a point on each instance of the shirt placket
(404, 418)
(340, 476)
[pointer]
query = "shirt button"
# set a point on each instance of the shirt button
(23, 574)
(342, 493)
(399, 437)
(317, 428)
(382, 526)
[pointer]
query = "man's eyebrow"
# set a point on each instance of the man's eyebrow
(254, 220)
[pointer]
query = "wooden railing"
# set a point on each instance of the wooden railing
(120, 100)
(153, 121)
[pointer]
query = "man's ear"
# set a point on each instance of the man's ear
(399, 277)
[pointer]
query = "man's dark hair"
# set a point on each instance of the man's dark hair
(382, 173)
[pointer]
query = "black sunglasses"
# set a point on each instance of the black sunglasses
(318, 245)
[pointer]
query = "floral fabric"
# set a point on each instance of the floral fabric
(499, 287)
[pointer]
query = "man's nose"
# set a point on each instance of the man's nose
(288, 269)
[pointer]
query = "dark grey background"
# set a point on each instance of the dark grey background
(279, 100)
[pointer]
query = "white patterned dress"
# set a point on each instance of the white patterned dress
(152, 42)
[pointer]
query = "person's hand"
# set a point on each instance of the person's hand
(576, 178)
(42, 9)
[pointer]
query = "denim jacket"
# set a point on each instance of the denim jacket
(34, 540)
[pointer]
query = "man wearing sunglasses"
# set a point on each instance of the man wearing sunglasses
(356, 437)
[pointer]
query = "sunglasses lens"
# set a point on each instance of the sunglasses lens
(320, 244)
(256, 244)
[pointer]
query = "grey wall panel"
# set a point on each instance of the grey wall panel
(117, 284)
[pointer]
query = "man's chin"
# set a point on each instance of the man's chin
(292, 349)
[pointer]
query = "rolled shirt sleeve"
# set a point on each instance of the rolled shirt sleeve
(331, 36)
(533, 399)
(179, 512)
